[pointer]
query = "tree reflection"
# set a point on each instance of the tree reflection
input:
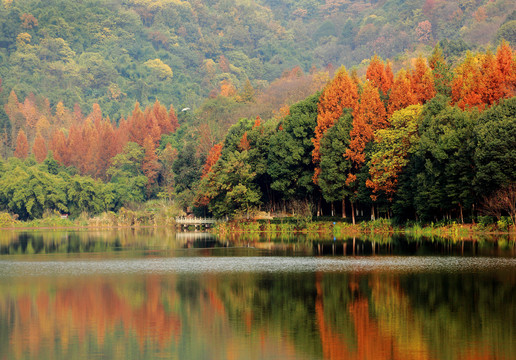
(283, 315)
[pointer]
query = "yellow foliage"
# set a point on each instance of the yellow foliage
(162, 70)
(23, 39)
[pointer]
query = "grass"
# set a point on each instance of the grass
(156, 213)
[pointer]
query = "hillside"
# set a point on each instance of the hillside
(116, 52)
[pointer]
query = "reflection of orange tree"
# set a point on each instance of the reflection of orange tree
(395, 331)
(85, 309)
(373, 341)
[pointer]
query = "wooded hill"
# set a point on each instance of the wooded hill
(59, 59)
(427, 143)
(117, 52)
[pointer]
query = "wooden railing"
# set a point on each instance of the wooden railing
(195, 221)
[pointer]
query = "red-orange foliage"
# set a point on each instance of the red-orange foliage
(401, 94)
(152, 125)
(150, 165)
(59, 148)
(339, 94)
(244, 143)
(377, 74)
(77, 113)
(22, 146)
(106, 146)
(389, 75)
(39, 149)
(28, 21)
(483, 79)
(160, 113)
(257, 122)
(370, 116)
(172, 118)
(422, 81)
(213, 157)
(137, 126)
(227, 88)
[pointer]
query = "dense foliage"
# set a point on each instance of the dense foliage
(418, 142)
(424, 156)
(117, 52)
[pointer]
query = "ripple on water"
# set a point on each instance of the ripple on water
(399, 264)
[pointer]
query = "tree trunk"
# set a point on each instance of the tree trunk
(353, 212)
(343, 208)
(332, 210)
(461, 216)
(372, 212)
(319, 207)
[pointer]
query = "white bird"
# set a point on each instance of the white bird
(185, 109)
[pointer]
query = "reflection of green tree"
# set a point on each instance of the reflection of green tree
(457, 310)
(107, 241)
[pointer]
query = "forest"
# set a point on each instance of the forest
(426, 144)
(263, 122)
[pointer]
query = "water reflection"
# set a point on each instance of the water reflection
(152, 239)
(168, 300)
(102, 241)
(260, 315)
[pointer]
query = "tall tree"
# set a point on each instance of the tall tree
(334, 166)
(150, 165)
(391, 150)
(39, 149)
(22, 145)
(339, 94)
(441, 71)
(378, 75)
(369, 117)
(213, 157)
(495, 153)
(422, 81)
(289, 161)
(402, 94)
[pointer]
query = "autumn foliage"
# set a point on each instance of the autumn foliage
(212, 158)
(369, 117)
(39, 149)
(339, 94)
(87, 143)
(380, 75)
(483, 79)
(22, 146)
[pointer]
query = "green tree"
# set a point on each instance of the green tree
(495, 153)
(126, 172)
(290, 163)
(444, 175)
(230, 186)
(334, 166)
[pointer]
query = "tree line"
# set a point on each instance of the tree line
(427, 144)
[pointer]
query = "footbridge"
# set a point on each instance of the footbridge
(185, 221)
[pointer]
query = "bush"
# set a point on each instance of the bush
(7, 220)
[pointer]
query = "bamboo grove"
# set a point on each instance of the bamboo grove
(427, 144)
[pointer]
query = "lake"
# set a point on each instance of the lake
(155, 294)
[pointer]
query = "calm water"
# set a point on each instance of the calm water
(159, 295)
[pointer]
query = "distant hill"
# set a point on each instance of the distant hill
(116, 52)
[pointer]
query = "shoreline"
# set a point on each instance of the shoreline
(321, 228)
